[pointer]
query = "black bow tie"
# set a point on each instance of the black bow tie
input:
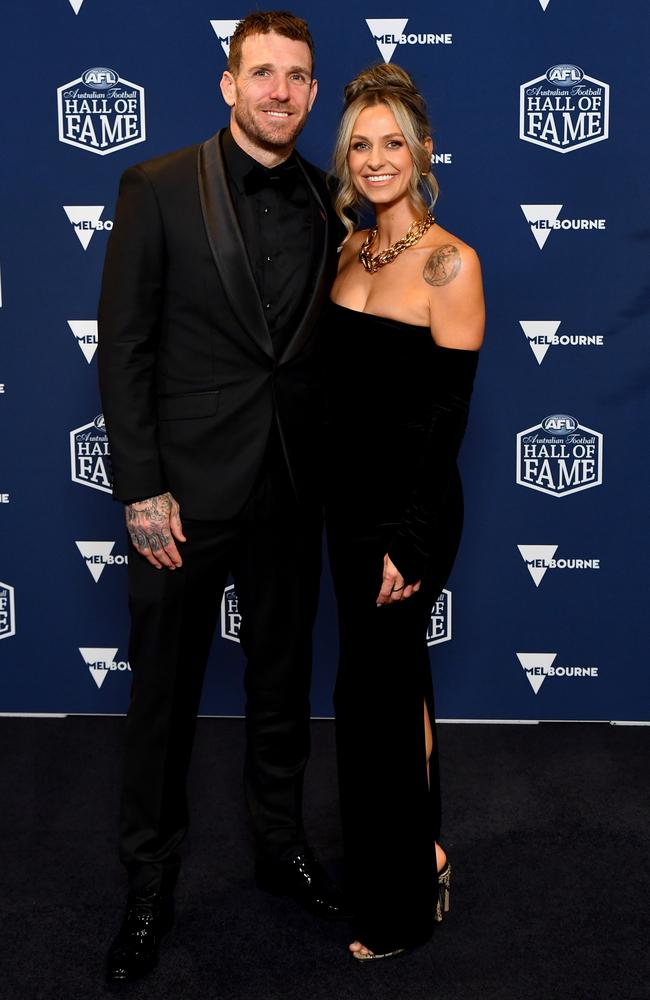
(284, 176)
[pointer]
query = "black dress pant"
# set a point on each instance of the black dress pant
(272, 549)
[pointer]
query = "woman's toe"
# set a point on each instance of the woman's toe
(357, 947)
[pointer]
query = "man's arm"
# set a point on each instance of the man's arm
(129, 330)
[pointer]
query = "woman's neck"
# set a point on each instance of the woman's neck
(393, 221)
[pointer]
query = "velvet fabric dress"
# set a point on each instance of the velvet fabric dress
(396, 407)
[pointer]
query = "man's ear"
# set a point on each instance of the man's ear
(313, 90)
(228, 88)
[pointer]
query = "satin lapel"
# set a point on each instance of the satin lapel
(318, 290)
(227, 245)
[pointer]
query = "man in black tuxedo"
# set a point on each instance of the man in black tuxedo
(219, 262)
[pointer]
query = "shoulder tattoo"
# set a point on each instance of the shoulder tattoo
(442, 266)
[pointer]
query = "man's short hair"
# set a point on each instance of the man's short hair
(261, 22)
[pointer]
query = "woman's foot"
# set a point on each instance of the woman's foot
(364, 954)
(359, 950)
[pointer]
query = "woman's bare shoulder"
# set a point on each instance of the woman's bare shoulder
(446, 256)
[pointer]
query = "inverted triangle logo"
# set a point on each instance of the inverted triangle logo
(98, 660)
(95, 556)
(76, 5)
(541, 219)
(544, 4)
(387, 32)
(536, 667)
(537, 559)
(84, 219)
(85, 333)
(539, 334)
(224, 30)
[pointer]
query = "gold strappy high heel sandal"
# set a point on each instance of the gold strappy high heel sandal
(444, 886)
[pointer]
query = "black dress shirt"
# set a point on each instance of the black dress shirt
(275, 209)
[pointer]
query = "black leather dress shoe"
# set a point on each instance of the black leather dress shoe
(305, 880)
(134, 952)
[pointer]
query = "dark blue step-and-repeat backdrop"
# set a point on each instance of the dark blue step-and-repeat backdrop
(539, 111)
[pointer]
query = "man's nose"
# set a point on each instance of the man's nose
(280, 90)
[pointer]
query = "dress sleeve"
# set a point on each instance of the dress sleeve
(414, 541)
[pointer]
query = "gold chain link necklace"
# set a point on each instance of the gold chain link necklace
(414, 233)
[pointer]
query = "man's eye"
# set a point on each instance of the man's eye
(298, 77)
(260, 72)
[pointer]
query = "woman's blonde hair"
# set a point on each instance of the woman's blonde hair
(384, 83)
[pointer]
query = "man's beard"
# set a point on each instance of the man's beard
(269, 138)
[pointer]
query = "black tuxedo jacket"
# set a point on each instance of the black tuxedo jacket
(189, 379)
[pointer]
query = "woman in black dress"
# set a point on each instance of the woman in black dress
(404, 329)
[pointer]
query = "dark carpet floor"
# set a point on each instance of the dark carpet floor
(547, 828)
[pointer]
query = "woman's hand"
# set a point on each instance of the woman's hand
(393, 588)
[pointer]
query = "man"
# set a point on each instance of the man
(218, 265)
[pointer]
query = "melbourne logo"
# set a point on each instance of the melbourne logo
(564, 110)
(439, 628)
(101, 112)
(559, 456)
(543, 333)
(544, 4)
(542, 219)
(90, 459)
(85, 333)
(7, 611)
(230, 616)
(101, 662)
(540, 558)
(86, 220)
(98, 555)
(539, 666)
(224, 30)
(389, 32)
(76, 5)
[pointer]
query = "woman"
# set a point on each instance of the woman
(400, 356)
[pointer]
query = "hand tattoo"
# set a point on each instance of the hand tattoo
(442, 266)
(148, 521)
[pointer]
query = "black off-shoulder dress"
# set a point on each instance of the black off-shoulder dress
(396, 407)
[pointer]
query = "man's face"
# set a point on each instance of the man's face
(272, 93)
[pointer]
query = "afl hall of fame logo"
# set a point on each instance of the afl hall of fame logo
(101, 112)
(7, 611)
(559, 456)
(439, 629)
(230, 615)
(90, 459)
(564, 110)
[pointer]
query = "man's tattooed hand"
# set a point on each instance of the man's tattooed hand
(153, 525)
(442, 266)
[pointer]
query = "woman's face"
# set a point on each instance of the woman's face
(380, 162)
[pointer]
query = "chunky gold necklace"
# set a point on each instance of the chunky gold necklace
(414, 233)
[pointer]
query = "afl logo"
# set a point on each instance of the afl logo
(101, 111)
(100, 78)
(560, 423)
(563, 110)
(7, 611)
(90, 457)
(559, 456)
(564, 73)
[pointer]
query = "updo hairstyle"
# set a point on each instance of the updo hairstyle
(386, 84)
